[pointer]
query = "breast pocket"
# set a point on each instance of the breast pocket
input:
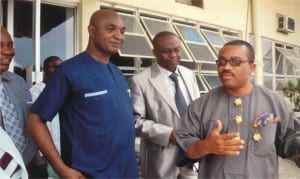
(96, 110)
(266, 146)
(102, 97)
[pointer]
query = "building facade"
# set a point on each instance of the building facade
(43, 28)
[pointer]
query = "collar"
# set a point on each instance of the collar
(166, 72)
(6, 76)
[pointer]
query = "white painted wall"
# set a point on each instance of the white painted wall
(228, 13)
(212, 13)
(268, 19)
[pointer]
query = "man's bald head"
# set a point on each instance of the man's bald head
(101, 14)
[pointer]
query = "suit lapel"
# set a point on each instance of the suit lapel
(162, 88)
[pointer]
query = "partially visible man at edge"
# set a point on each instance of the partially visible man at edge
(93, 100)
(14, 98)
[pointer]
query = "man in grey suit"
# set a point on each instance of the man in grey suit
(156, 112)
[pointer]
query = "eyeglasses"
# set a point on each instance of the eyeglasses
(232, 62)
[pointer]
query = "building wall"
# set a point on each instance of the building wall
(225, 15)
(268, 10)
(85, 10)
(255, 18)
(234, 14)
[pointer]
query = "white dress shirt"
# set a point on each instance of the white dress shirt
(171, 83)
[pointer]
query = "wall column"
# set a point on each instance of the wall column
(257, 41)
(85, 10)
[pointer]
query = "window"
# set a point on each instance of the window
(229, 36)
(267, 63)
(212, 80)
(3, 13)
(268, 81)
(291, 60)
(195, 43)
(199, 46)
(57, 36)
(280, 83)
(154, 25)
(214, 39)
(267, 55)
(201, 84)
(136, 43)
(23, 37)
(287, 64)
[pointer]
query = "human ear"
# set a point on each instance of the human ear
(91, 30)
(252, 67)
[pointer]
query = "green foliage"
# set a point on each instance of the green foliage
(292, 91)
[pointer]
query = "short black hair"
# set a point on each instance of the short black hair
(251, 54)
(48, 60)
(162, 34)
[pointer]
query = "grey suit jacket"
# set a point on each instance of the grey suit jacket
(156, 116)
(20, 96)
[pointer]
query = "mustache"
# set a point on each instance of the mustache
(226, 72)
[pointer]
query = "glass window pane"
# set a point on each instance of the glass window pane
(268, 82)
(267, 55)
(184, 55)
(23, 36)
(146, 62)
(3, 13)
(126, 64)
(156, 26)
(292, 57)
(201, 52)
(153, 26)
(279, 62)
(286, 61)
(213, 81)
(201, 85)
(267, 65)
(208, 67)
(230, 38)
(57, 33)
(214, 38)
(131, 24)
(289, 68)
(189, 33)
(280, 83)
(135, 45)
(195, 43)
